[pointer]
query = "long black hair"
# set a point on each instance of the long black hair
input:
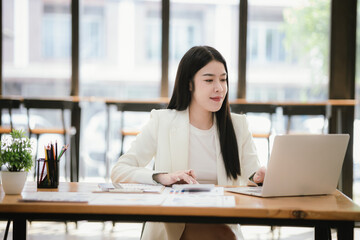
(193, 60)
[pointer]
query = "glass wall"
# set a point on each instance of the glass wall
(120, 57)
(213, 23)
(288, 50)
(287, 60)
(120, 48)
(36, 47)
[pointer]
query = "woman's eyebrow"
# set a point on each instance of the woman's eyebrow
(211, 74)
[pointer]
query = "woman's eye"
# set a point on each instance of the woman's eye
(223, 80)
(208, 80)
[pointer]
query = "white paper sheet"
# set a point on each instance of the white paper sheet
(56, 197)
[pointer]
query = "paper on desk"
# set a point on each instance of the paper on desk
(127, 199)
(55, 197)
(199, 200)
(130, 188)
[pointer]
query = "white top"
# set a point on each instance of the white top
(202, 154)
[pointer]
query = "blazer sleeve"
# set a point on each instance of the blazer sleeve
(249, 160)
(131, 166)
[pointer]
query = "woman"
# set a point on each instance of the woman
(195, 140)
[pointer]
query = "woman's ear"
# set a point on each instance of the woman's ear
(190, 86)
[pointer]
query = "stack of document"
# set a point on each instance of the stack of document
(56, 197)
(184, 195)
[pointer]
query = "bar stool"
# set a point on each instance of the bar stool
(8, 104)
(258, 108)
(51, 106)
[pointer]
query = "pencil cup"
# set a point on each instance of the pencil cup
(47, 173)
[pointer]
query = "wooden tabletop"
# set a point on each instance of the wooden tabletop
(329, 207)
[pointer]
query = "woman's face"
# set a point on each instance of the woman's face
(210, 87)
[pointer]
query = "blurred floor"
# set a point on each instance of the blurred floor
(131, 231)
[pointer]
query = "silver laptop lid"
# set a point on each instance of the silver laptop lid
(305, 164)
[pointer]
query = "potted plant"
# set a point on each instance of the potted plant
(16, 158)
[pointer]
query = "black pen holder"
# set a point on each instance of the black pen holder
(47, 173)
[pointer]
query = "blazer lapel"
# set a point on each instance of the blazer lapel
(179, 141)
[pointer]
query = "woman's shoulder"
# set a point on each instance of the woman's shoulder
(164, 112)
(167, 113)
(239, 121)
(238, 117)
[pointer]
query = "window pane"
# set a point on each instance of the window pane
(120, 51)
(120, 48)
(213, 23)
(36, 47)
(288, 50)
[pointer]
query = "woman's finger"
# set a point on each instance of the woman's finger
(187, 178)
(260, 175)
(191, 173)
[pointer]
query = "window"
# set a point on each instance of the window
(287, 56)
(213, 23)
(36, 48)
(120, 49)
(56, 36)
(92, 33)
(153, 36)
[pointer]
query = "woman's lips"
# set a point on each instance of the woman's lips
(217, 99)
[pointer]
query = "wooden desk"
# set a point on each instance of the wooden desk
(335, 211)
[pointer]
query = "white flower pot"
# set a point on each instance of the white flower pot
(13, 182)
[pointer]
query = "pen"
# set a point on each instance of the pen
(195, 190)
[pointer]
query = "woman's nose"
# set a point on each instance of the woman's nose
(218, 87)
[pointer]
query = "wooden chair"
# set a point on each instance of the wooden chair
(8, 104)
(51, 105)
(257, 108)
(306, 110)
(134, 107)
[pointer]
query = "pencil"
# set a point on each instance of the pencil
(63, 150)
(47, 165)
(42, 171)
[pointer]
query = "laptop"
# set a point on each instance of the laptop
(302, 165)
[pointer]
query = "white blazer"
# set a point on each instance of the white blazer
(166, 137)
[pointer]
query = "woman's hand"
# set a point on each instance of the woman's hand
(179, 177)
(259, 175)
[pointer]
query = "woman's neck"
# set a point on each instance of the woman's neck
(200, 119)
